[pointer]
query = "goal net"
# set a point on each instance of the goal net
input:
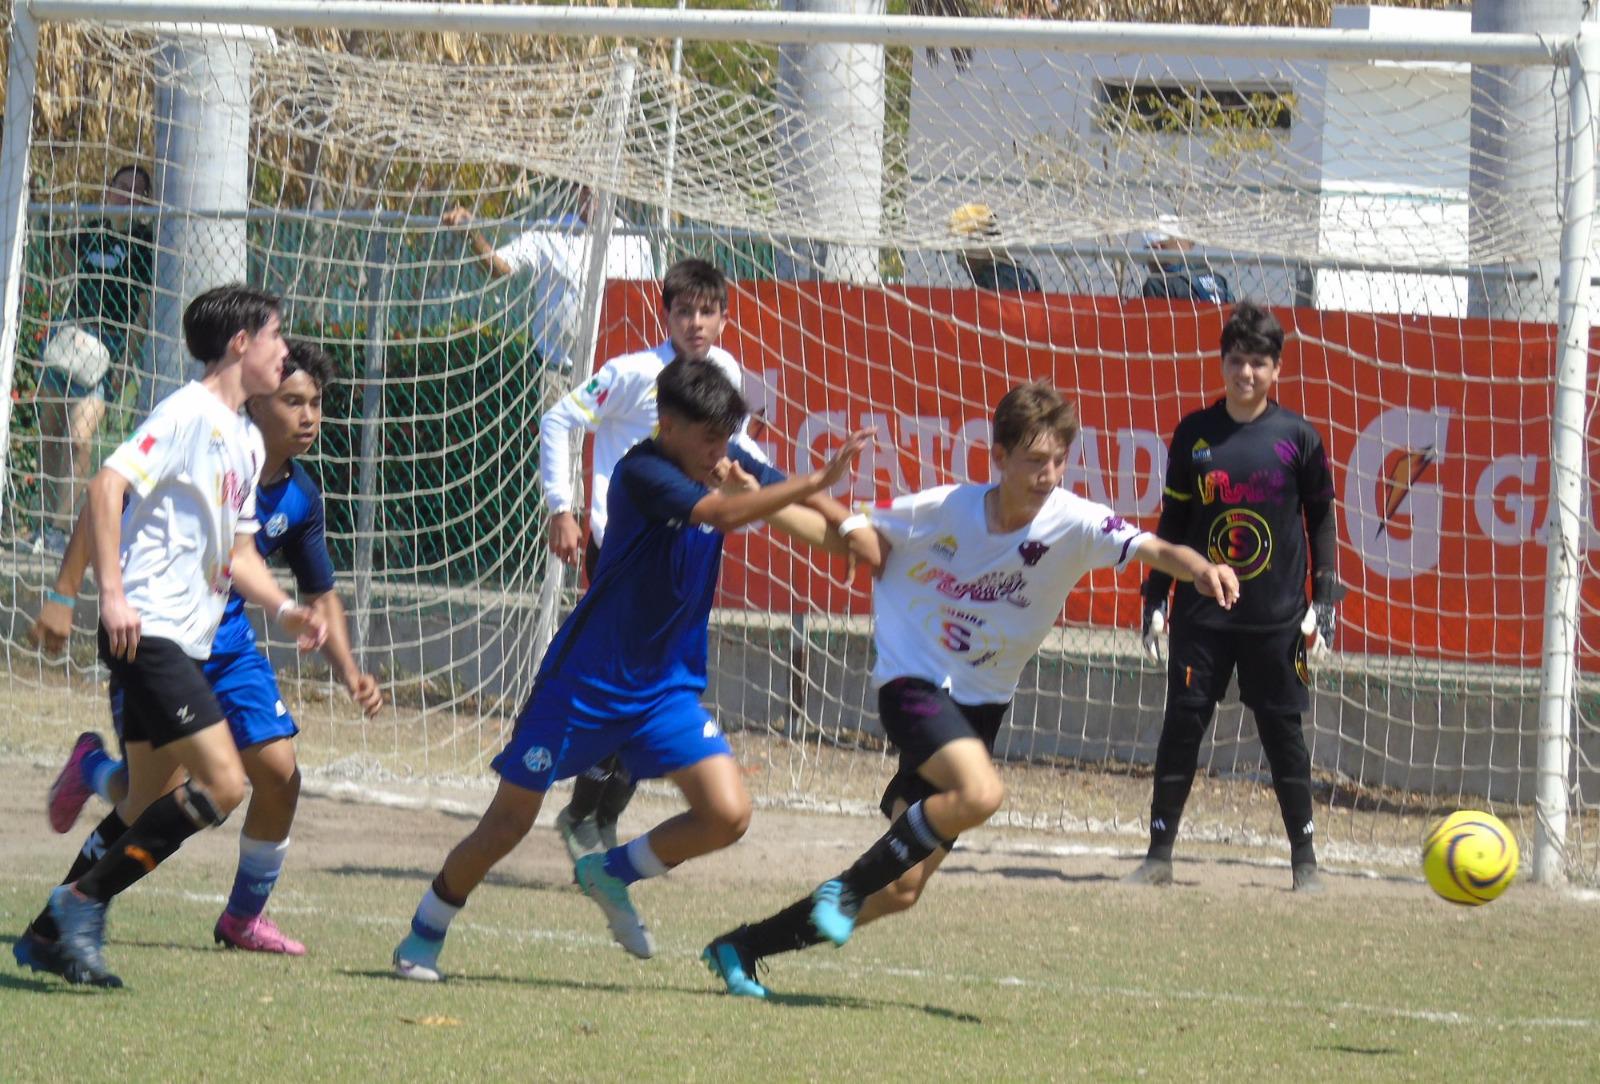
(907, 232)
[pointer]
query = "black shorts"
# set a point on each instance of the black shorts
(1201, 660)
(920, 719)
(591, 557)
(164, 693)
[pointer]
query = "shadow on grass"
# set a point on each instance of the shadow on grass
(847, 1001)
(1365, 1051)
(1028, 873)
(802, 1001)
(424, 877)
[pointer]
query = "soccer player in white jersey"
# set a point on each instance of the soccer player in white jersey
(972, 579)
(165, 562)
(618, 406)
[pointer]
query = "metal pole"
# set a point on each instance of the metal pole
(586, 340)
(672, 151)
(1568, 455)
(20, 81)
(377, 297)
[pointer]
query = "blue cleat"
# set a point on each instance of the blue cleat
(833, 911)
(417, 959)
(627, 929)
(82, 923)
(36, 954)
(731, 962)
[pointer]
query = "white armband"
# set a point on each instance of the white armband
(289, 604)
(853, 523)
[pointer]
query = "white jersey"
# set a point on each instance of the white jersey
(617, 405)
(193, 466)
(966, 609)
(557, 254)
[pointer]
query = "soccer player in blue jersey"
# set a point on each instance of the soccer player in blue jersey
(626, 669)
(289, 507)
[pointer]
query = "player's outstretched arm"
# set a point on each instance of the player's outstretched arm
(493, 262)
(1181, 562)
(255, 584)
(728, 511)
(362, 686)
(104, 509)
(53, 627)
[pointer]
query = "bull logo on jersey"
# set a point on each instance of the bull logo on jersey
(1033, 552)
(1240, 539)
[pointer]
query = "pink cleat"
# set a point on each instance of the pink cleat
(69, 792)
(259, 934)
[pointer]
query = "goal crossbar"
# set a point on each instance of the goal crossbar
(1516, 50)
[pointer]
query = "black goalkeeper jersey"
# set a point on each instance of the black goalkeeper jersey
(1247, 496)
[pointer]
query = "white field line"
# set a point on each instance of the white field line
(570, 941)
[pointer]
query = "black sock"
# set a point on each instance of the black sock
(1285, 745)
(588, 789)
(787, 931)
(614, 799)
(908, 841)
(107, 832)
(152, 839)
(1177, 756)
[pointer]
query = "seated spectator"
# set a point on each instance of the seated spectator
(1174, 273)
(990, 267)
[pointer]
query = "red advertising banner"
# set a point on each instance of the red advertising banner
(1438, 430)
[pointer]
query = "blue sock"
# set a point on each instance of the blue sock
(432, 920)
(260, 862)
(96, 769)
(634, 861)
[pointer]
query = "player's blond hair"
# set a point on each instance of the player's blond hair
(1029, 410)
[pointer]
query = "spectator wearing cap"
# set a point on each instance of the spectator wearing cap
(1174, 273)
(990, 267)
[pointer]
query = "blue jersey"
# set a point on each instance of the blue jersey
(639, 633)
(290, 514)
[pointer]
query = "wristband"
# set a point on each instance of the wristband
(853, 523)
(283, 611)
(52, 595)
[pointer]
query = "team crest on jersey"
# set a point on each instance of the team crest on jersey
(277, 525)
(146, 444)
(946, 547)
(537, 759)
(1032, 552)
(218, 443)
(1200, 453)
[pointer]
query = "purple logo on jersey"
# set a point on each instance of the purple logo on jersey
(1286, 452)
(1032, 552)
(1112, 525)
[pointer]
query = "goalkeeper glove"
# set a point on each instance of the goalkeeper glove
(1154, 633)
(1317, 630)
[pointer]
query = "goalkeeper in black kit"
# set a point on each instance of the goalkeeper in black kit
(1248, 485)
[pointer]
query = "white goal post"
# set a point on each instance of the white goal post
(913, 213)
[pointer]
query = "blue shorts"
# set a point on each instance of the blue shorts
(558, 736)
(247, 691)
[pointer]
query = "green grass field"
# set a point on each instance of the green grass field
(1026, 961)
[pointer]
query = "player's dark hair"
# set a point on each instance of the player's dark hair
(1252, 330)
(140, 174)
(699, 392)
(695, 279)
(216, 316)
(1029, 410)
(307, 357)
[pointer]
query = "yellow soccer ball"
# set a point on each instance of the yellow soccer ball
(1470, 857)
